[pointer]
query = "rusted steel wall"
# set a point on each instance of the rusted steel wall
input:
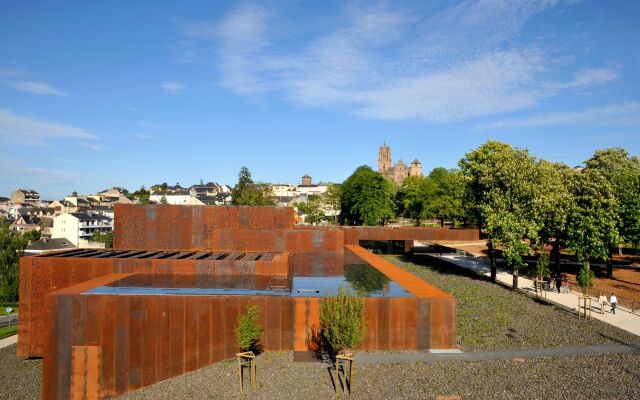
(225, 228)
(40, 275)
(147, 339)
(392, 324)
(352, 235)
(141, 340)
(195, 227)
(436, 309)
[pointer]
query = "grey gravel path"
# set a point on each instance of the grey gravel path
(615, 348)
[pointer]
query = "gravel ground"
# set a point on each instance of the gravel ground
(580, 377)
(489, 317)
(492, 317)
(19, 379)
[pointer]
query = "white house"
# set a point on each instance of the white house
(171, 198)
(283, 190)
(78, 227)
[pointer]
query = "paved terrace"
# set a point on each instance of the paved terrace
(624, 318)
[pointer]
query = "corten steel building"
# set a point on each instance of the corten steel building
(165, 299)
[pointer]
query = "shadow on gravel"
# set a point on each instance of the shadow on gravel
(634, 345)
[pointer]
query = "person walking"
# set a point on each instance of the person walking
(565, 283)
(602, 300)
(558, 283)
(614, 302)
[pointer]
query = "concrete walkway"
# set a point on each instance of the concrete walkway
(8, 341)
(623, 318)
(519, 354)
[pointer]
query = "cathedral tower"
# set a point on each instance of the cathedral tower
(416, 168)
(384, 158)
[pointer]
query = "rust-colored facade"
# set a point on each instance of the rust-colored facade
(353, 235)
(101, 345)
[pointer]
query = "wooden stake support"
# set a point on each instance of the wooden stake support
(584, 302)
(539, 285)
(247, 359)
(341, 361)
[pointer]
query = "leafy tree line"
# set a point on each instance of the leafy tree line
(367, 198)
(12, 245)
(521, 204)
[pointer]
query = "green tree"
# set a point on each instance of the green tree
(248, 193)
(248, 329)
(415, 195)
(366, 198)
(447, 200)
(12, 246)
(163, 199)
(552, 201)
(499, 187)
(623, 173)
(312, 208)
(106, 238)
(593, 220)
(142, 195)
(342, 320)
(31, 236)
(332, 199)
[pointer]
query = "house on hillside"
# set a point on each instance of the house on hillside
(46, 226)
(79, 227)
(25, 223)
(24, 195)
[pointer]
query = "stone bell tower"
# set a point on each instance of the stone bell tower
(384, 158)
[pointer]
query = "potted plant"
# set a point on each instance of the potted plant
(343, 328)
(248, 331)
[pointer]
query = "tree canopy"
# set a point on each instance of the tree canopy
(366, 198)
(500, 187)
(248, 193)
(12, 245)
(447, 201)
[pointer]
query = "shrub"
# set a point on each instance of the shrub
(585, 277)
(342, 320)
(542, 265)
(248, 330)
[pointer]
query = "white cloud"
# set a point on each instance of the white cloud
(393, 63)
(91, 146)
(627, 114)
(173, 87)
(144, 136)
(40, 88)
(10, 72)
(30, 131)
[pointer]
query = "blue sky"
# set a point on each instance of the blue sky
(96, 94)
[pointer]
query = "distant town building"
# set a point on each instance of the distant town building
(46, 227)
(25, 223)
(398, 172)
(21, 196)
(283, 190)
(79, 227)
(175, 197)
(306, 180)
